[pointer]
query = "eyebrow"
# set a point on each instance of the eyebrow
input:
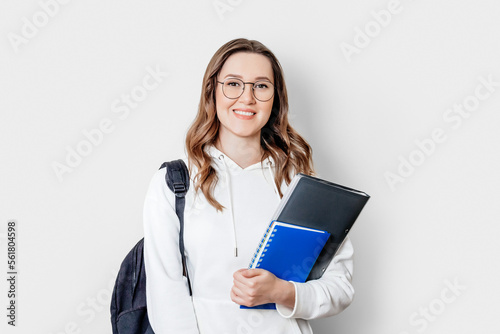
(240, 77)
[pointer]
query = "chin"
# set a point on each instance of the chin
(246, 134)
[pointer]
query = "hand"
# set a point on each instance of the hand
(252, 287)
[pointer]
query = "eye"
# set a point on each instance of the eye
(261, 85)
(233, 83)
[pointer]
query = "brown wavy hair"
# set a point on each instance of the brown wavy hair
(290, 152)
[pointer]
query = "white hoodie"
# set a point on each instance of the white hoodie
(210, 238)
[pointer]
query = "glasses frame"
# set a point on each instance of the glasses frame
(243, 90)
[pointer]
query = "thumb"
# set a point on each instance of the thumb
(239, 272)
(249, 273)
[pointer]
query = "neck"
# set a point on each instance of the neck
(243, 151)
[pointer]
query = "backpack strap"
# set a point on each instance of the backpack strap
(177, 178)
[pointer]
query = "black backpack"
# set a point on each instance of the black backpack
(128, 302)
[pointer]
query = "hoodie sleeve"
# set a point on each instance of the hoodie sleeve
(170, 308)
(328, 295)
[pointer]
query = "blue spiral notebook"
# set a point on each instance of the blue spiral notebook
(317, 205)
(289, 252)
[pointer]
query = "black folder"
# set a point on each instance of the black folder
(316, 203)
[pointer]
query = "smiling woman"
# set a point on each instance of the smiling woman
(242, 154)
(241, 114)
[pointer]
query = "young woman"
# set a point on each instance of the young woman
(242, 153)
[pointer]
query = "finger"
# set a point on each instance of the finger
(249, 273)
(243, 286)
(247, 277)
(237, 291)
(238, 273)
(238, 277)
(233, 296)
(236, 296)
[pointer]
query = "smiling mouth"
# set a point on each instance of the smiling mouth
(244, 113)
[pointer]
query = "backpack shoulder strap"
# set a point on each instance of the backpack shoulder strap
(177, 178)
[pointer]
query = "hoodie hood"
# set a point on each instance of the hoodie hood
(224, 162)
(228, 167)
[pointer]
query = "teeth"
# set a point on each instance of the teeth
(246, 113)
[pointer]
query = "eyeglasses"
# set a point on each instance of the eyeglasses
(233, 88)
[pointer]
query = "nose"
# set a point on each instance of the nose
(247, 96)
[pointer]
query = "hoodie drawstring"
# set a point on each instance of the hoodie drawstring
(228, 180)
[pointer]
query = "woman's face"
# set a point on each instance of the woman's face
(233, 114)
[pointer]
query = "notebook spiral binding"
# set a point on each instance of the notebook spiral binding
(261, 243)
(265, 249)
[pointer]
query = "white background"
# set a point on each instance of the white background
(361, 114)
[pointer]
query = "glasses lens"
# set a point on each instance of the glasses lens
(263, 90)
(233, 88)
